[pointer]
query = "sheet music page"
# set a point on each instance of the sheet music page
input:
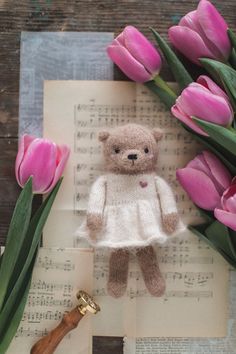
(57, 276)
(195, 303)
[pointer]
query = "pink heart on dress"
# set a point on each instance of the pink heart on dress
(143, 184)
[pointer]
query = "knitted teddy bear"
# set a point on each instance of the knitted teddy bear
(130, 207)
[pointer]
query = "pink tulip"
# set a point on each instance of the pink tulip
(204, 100)
(41, 159)
(135, 55)
(205, 179)
(227, 213)
(202, 34)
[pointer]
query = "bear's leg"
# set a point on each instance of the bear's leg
(118, 272)
(153, 279)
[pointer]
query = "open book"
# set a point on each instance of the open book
(195, 302)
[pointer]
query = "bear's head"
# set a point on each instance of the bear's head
(130, 149)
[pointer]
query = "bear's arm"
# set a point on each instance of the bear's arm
(97, 196)
(168, 206)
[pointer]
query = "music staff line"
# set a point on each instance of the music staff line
(188, 278)
(179, 294)
(47, 263)
(51, 287)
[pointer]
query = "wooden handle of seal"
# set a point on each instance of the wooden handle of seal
(48, 344)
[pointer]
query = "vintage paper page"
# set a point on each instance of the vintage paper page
(74, 112)
(195, 303)
(57, 277)
(156, 345)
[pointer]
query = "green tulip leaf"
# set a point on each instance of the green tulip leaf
(208, 215)
(15, 237)
(213, 68)
(180, 73)
(221, 135)
(228, 77)
(200, 232)
(232, 37)
(16, 313)
(232, 58)
(33, 236)
(1, 257)
(219, 235)
(224, 75)
(232, 241)
(167, 99)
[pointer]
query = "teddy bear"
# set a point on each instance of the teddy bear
(130, 207)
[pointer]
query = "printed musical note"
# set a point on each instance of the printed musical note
(56, 279)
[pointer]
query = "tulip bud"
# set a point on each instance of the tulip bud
(202, 34)
(43, 160)
(204, 100)
(205, 179)
(135, 55)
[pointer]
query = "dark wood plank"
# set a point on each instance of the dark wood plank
(9, 190)
(107, 345)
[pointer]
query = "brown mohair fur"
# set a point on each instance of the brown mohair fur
(130, 139)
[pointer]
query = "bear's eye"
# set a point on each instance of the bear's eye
(117, 150)
(146, 150)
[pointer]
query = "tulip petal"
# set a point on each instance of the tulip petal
(128, 64)
(189, 43)
(142, 50)
(199, 163)
(199, 187)
(231, 204)
(201, 103)
(119, 39)
(40, 162)
(24, 143)
(230, 192)
(211, 86)
(178, 113)
(190, 20)
(226, 218)
(63, 153)
(214, 27)
(218, 170)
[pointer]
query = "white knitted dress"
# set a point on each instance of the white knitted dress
(131, 206)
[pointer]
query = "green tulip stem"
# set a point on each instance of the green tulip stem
(228, 63)
(231, 129)
(163, 85)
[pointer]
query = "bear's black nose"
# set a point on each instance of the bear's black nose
(132, 157)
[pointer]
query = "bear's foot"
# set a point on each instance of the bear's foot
(152, 276)
(118, 273)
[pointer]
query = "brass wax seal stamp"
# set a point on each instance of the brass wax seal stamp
(70, 320)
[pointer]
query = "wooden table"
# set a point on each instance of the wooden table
(70, 15)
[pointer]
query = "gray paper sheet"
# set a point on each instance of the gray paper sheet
(57, 56)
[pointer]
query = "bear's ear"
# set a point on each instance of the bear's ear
(103, 136)
(157, 133)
